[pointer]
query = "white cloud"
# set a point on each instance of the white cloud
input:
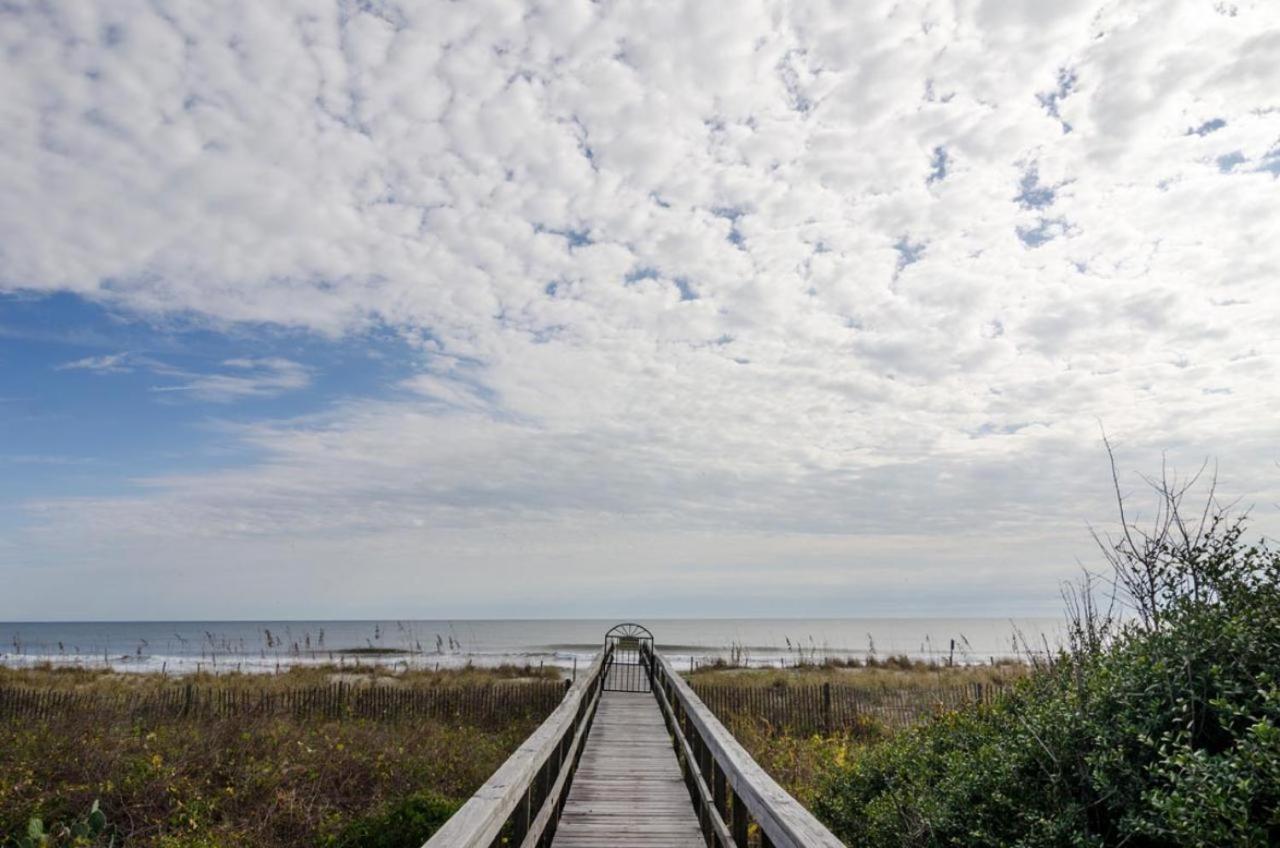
(650, 260)
(111, 363)
(248, 378)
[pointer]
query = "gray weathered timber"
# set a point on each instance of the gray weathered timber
(631, 759)
(781, 817)
(628, 791)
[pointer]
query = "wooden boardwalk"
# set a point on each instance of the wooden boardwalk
(628, 791)
(602, 771)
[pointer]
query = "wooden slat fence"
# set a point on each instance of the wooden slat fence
(823, 708)
(487, 704)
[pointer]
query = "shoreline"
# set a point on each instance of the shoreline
(360, 659)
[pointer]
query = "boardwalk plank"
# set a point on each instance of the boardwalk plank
(628, 791)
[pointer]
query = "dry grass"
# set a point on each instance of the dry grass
(48, 676)
(802, 761)
(272, 781)
(889, 674)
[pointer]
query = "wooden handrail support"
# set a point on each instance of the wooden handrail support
(523, 799)
(713, 751)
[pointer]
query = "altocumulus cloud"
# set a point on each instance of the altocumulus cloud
(829, 297)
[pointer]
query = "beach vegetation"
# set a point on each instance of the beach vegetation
(890, 673)
(54, 676)
(280, 780)
(1157, 725)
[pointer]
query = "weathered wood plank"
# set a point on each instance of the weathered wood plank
(628, 791)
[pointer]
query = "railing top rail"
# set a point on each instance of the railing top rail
(780, 816)
(480, 820)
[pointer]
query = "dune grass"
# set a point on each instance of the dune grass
(875, 674)
(49, 676)
(276, 781)
(804, 761)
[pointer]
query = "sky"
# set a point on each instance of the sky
(369, 309)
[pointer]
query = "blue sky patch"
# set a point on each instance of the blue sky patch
(644, 272)
(1045, 230)
(1207, 127)
(1271, 163)
(575, 238)
(938, 165)
(1228, 162)
(1031, 193)
(909, 252)
(686, 290)
(91, 398)
(1051, 100)
(732, 215)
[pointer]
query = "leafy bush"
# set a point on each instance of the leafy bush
(87, 830)
(1159, 730)
(405, 824)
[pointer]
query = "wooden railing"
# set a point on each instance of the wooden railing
(521, 803)
(728, 788)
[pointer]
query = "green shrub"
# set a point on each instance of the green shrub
(90, 829)
(1163, 730)
(405, 824)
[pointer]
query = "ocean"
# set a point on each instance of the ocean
(263, 646)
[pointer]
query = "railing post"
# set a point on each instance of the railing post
(544, 783)
(741, 821)
(521, 822)
(718, 765)
(720, 791)
(711, 763)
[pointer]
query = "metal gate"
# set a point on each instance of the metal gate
(630, 647)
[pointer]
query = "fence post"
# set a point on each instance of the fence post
(826, 706)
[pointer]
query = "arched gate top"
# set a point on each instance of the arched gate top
(627, 649)
(628, 631)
